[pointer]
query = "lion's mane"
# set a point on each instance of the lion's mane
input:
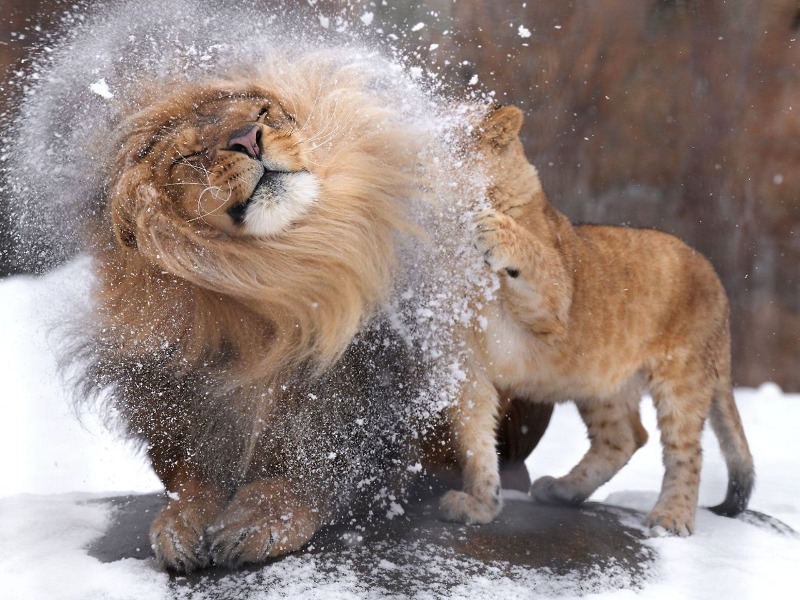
(313, 355)
(257, 351)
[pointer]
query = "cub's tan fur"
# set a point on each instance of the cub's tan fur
(595, 315)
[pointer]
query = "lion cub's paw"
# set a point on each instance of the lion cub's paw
(462, 507)
(495, 237)
(663, 521)
(264, 520)
(549, 490)
(177, 534)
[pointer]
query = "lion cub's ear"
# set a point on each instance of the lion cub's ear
(501, 126)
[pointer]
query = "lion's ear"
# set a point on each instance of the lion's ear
(129, 197)
(501, 125)
(123, 229)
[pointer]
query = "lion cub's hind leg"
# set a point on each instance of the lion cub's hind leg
(681, 409)
(265, 519)
(615, 432)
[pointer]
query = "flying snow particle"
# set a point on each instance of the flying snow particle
(524, 32)
(366, 18)
(395, 510)
(474, 80)
(101, 89)
(387, 565)
(324, 21)
(418, 26)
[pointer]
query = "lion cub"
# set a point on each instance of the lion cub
(596, 315)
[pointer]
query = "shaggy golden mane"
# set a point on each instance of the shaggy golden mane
(207, 292)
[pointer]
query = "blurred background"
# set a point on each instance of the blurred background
(682, 115)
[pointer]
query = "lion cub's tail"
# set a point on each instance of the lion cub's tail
(727, 425)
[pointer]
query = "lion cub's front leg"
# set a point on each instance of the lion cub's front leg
(497, 238)
(473, 422)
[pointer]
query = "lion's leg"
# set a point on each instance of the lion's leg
(265, 519)
(519, 430)
(177, 534)
(681, 406)
(615, 432)
(473, 422)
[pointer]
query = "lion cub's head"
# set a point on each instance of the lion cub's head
(514, 181)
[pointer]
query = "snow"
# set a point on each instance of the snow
(55, 468)
(101, 89)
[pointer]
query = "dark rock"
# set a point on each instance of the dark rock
(530, 549)
(538, 548)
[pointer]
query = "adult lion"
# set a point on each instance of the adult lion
(248, 239)
(242, 327)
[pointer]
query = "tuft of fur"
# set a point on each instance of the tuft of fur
(596, 315)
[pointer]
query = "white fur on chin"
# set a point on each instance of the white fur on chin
(270, 213)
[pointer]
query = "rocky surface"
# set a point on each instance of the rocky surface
(539, 547)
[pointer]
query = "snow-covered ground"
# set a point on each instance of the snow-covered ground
(50, 465)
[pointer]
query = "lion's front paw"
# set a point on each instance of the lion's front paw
(549, 490)
(462, 507)
(664, 520)
(495, 237)
(177, 534)
(264, 520)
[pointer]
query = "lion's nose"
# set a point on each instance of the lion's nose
(246, 140)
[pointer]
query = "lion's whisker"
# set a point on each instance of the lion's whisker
(310, 112)
(183, 160)
(325, 137)
(213, 190)
(329, 130)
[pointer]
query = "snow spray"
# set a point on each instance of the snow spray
(83, 82)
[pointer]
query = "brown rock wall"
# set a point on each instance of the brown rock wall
(682, 115)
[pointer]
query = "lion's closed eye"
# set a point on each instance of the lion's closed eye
(182, 157)
(274, 116)
(264, 112)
